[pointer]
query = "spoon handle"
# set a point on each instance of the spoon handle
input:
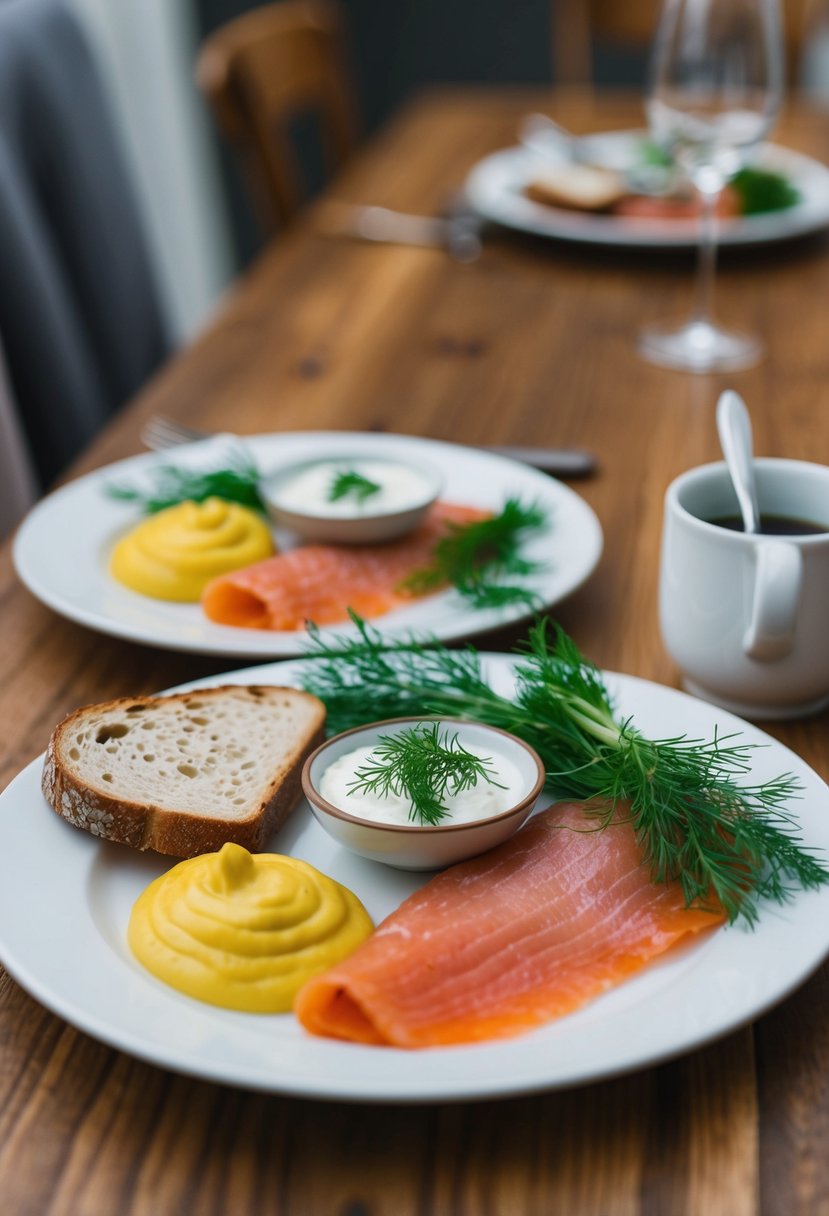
(734, 427)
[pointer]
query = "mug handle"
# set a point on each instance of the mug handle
(777, 579)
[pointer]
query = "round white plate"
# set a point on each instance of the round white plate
(62, 548)
(495, 188)
(65, 899)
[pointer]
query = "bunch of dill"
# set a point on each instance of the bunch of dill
(728, 844)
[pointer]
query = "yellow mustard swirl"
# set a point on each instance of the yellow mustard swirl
(244, 931)
(173, 555)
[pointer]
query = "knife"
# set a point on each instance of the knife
(558, 462)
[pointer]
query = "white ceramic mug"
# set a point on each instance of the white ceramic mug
(746, 618)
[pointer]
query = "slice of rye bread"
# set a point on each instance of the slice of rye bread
(184, 774)
(578, 188)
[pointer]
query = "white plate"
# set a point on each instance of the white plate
(496, 184)
(62, 548)
(65, 900)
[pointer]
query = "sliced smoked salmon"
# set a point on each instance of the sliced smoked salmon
(321, 582)
(505, 942)
(654, 207)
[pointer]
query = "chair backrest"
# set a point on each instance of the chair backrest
(79, 307)
(578, 23)
(262, 71)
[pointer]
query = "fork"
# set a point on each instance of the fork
(160, 433)
(459, 235)
(457, 229)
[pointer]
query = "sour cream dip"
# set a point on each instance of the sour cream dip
(481, 801)
(380, 829)
(310, 489)
(351, 500)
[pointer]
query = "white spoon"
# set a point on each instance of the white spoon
(734, 427)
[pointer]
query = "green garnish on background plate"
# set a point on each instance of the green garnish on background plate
(237, 480)
(351, 484)
(723, 841)
(481, 560)
(760, 191)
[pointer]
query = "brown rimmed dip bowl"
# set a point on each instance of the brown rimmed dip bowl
(415, 846)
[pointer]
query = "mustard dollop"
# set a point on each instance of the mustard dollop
(244, 931)
(173, 555)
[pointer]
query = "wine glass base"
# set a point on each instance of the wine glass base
(699, 347)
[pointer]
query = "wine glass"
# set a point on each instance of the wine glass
(715, 89)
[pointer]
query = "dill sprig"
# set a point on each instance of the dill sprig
(424, 765)
(478, 558)
(728, 844)
(350, 483)
(236, 480)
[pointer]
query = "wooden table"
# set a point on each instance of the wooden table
(533, 344)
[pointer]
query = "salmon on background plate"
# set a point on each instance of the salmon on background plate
(321, 582)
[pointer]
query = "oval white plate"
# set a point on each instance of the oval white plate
(495, 188)
(65, 900)
(62, 548)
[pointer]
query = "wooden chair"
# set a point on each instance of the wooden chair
(576, 23)
(263, 71)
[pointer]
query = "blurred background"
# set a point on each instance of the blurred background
(198, 207)
(160, 168)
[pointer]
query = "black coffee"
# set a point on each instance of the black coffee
(773, 525)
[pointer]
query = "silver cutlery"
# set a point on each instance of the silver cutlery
(457, 229)
(160, 433)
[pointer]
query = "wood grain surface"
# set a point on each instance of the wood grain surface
(532, 344)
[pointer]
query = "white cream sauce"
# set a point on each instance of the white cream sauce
(401, 488)
(481, 801)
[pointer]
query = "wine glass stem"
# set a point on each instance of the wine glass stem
(707, 262)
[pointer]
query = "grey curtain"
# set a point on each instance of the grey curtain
(79, 309)
(17, 480)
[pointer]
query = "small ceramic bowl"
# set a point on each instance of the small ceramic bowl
(412, 488)
(413, 846)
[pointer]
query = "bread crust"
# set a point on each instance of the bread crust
(164, 829)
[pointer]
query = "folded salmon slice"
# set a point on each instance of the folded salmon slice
(503, 943)
(321, 582)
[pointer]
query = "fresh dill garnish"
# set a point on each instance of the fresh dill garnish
(424, 765)
(727, 844)
(348, 483)
(479, 558)
(237, 480)
(760, 190)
